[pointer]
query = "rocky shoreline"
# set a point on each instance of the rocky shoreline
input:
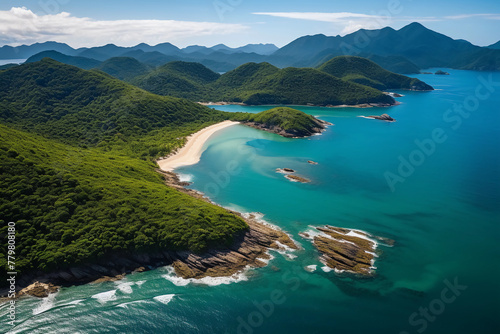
(249, 249)
(346, 250)
(361, 105)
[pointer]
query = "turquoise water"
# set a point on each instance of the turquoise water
(443, 212)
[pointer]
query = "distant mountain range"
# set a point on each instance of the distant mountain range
(407, 50)
(495, 45)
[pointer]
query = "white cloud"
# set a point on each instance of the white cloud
(20, 25)
(323, 17)
(468, 16)
(345, 21)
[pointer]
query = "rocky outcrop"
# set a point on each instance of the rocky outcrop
(296, 178)
(248, 250)
(439, 72)
(285, 170)
(312, 162)
(346, 250)
(383, 117)
(38, 289)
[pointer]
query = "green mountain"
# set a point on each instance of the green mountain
(123, 68)
(77, 106)
(254, 83)
(178, 78)
(365, 72)
(81, 62)
(396, 64)
(77, 177)
(300, 86)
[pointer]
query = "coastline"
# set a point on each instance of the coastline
(250, 248)
(360, 105)
(190, 153)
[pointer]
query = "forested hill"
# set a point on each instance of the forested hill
(366, 72)
(260, 83)
(77, 106)
(76, 171)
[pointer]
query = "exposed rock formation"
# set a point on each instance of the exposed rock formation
(296, 178)
(383, 117)
(38, 289)
(285, 170)
(346, 250)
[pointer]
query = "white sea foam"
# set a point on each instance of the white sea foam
(76, 302)
(46, 304)
(326, 269)
(185, 177)
(311, 268)
(164, 299)
(104, 297)
(125, 287)
(210, 281)
(125, 305)
(139, 283)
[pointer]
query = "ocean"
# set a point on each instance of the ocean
(430, 181)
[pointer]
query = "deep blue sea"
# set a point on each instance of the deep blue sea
(430, 181)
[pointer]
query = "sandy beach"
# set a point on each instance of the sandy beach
(190, 153)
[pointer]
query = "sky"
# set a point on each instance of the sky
(234, 22)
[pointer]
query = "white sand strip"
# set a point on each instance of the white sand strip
(190, 153)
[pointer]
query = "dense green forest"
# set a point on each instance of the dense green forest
(73, 205)
(91, 108)
(78, 177)
(179, 79)
(366, 72)
(255, 84)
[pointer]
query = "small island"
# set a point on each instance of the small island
(346, 250)
(439, 72)
(383, 117)
(284, 121)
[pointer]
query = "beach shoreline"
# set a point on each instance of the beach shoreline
(191, 152)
